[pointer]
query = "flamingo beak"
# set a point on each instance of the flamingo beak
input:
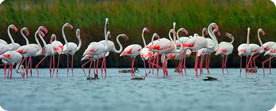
(15, 28)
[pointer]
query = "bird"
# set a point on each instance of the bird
(70, 48)
(97, 48)
(272, 53)
(256, 49)
(57, 48)
(4, 46)
(196, 43)
(266, 47)
(145, 54)
(12, 58)
(32, 50)
(244, 50)
(224, 49)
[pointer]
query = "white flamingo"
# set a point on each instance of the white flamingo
(197, 43)
(256, 49)
(225, 49)
(70, 48)
(4, 47)
(244, 50)
(31, 50)
(12, 58)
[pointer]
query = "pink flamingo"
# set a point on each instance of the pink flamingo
(145, 53)
(198, 42)
(70, 48)
(12, 58)
(4, 46)
(256, 49)
(267, 47)
(272, 53)
(57, 48)
(244, 50)
(31, 50)
(225, 49)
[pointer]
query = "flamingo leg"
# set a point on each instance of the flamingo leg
(72, 65)
(39, 64)
(58, 65)
(225, 64)
(249, 62)
(31, 65)
(254, 59)
(53, 65)
(105, 65)
(184, 63)
(196, 65)
(240, 65)
(201, 65)
(91, 62)
(133, 66)
(145, 67)
(51, 59)
(83, 65)
(94, 68)
(153, 64)
(263, 63)
(157, 63)
(67, 59)
(149, 66)
(269, 65)
(102, 68)
(222, 65)
(97, 65)
(5, 69)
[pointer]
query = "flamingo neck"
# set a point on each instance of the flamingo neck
(9, 33)
(143, 38)
(119, 43)
(63, 34)
(43, 41)
(177, 34)
(212, 35)
(247, 38)
(36, 39)
(259, 38)
(203, 30)
(79, 39)
(24, 36)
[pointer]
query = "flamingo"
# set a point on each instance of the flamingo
(272, 53)
(47, 50)
(145, 53)
(70, 48)
(4, 46)
(24, 29)
(180, 58)
(206, 51)
(96, 48)
(12, 58)
(57, 48)
(12, 46)
(267, 47)
(244, 50)
(256, 49)
(225, 49)
(32, 50)
(198, 42)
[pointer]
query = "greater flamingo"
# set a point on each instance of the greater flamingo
(70, 48)
(224, 49)
(12, 58)
(256, 49)
(244, 50)
(198, 42)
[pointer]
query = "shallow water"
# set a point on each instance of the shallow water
(117, 92)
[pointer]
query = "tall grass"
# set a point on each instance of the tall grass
(130, 16)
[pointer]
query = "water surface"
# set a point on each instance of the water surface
(117, 92)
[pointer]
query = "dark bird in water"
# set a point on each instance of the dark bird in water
(128, 71)
(95, 77)
(138, 78)
(210, 79)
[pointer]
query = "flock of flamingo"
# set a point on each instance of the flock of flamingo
(163, 49)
